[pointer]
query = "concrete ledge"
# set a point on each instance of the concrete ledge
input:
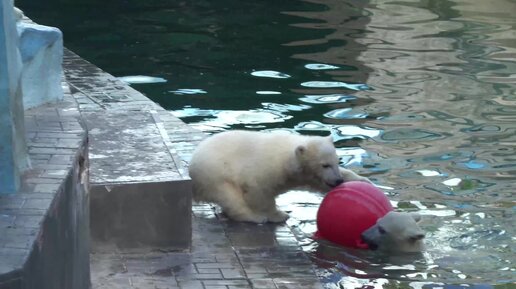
(127, 147)
(60, 256)
(141, 192)
(141, 197)
(143, 215)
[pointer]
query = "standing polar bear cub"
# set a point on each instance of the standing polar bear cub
(244, 171)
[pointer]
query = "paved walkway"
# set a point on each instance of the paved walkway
(224, 255)
(55, 141)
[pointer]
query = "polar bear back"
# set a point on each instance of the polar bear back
(245, 158)
(242, 145)
(237, 151)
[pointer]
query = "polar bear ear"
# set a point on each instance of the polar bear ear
(416, 217)
(330, 138)
(300, 150)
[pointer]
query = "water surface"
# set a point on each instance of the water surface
(420, 96)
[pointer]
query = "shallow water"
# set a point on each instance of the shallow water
(420, 96)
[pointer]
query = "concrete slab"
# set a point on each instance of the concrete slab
(127, 147)
(140, 189)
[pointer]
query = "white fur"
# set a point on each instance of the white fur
(396, 231)
(244, 171)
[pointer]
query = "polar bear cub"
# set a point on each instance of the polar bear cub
(396, 231)
(244, 171)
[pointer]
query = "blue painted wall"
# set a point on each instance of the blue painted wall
(13, 149)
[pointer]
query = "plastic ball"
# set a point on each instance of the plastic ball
(348, 210)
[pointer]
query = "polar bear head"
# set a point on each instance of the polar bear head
(319, 163)
(396, 231)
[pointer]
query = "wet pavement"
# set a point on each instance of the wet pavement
(225, 254)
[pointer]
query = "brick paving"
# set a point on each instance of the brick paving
(224, 255)
(54, 138)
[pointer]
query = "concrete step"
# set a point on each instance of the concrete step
(140, 189)
(140, 194)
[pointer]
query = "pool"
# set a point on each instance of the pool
(420, 96)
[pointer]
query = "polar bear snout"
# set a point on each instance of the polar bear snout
(369, 240)
(335, 183)
(330, 175)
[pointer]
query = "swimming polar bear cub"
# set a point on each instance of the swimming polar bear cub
(396, 232)
(244, 171)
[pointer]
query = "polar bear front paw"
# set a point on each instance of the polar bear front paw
(349, 176)
(278, 217)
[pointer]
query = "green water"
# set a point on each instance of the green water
(420, 96)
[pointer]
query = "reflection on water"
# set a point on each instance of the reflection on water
(141, 79)
(182, 91)
(223, 119)
(270, 73)
(267, 92)
(420, 96)
(345, 113)
(320, 66)
(327, 98)
(333, 84)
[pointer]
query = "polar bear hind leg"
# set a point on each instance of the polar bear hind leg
(230, 198)
(259, 201)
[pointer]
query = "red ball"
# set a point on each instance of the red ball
(348, 210)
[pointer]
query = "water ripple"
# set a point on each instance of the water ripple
(270, 74)
(346, 113)
(141, 79)
(215, 120)
(183, 91)
(333, 84)
(285, 107)
(268, 92)
(312, 126)
(320, 66)
(327, 98)
(344, 132)
(402, 134)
